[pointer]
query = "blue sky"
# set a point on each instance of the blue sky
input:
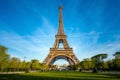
(28, 27)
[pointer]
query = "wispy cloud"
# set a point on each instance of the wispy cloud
(32, 46)
(36, 45)
(86, 45)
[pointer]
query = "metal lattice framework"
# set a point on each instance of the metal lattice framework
(57, 52)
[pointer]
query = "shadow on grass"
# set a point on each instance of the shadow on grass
(68, 77)
(29, 77)
(114, 75)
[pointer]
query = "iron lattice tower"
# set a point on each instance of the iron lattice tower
(61, 48)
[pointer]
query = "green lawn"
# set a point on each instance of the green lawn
(60, 76)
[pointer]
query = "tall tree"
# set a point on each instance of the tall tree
(27, 65)
(110, 64)
(14, 63)
(43, 67)
(99, 60)
(87, 64)
(35, 64)
(116, 63)
(99, 57)
(4, 58)
(3, 54)
(117, 55)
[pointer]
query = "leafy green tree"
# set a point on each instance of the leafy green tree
(35, 64)
(4, 58)
(102, 65)
(20, 66)
(27, 65)
(98, 58)
(43, 67)
(87, 64)
(105, 65)
(14, 63)
(116, 63)
(5, 65)
(99, 62)
(23, 65)
(76, 67)
(117, 55)
(3, 54)
(110, 64)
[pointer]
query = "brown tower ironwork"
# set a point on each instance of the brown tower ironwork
(61, 48)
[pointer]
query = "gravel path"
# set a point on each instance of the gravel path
(10, 72)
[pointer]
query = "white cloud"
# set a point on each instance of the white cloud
(86, 45)
(35, 46)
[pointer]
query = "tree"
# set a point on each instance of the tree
(27, 65)
(98, 60)
(5, 65)
(35, 64)
(110, 64)
(116, 63)
(3, 54)
(4, 58)
(20, 66)
(102, 65)
(76, 67)
(14, 63)
(99, 57)
(87, 64)
(43, 67)
(117, 55)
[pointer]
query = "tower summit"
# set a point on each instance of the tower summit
(60, 28)
(61, 48)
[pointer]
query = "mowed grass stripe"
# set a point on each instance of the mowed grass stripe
(60, 76)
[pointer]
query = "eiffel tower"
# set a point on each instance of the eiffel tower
(61, 48)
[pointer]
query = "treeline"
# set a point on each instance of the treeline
(99, 63)
(95, 63)
(8, 63)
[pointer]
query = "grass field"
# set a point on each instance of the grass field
(60, 76)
